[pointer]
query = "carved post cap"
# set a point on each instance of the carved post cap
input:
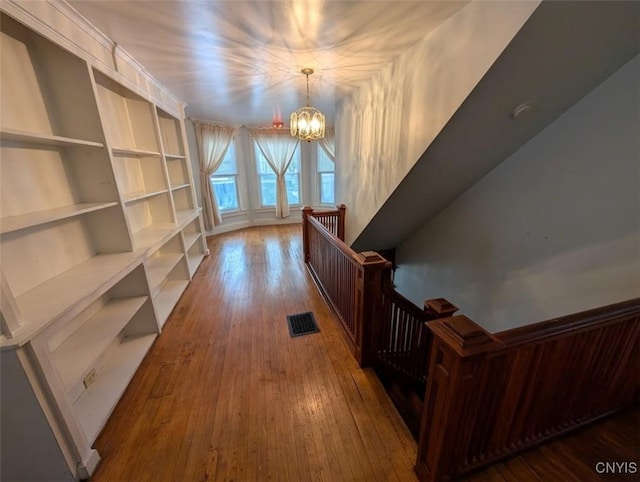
(307, 210)
(463, 335)
(370, 257)
(439, 308)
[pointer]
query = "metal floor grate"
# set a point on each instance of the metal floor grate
(302, 324)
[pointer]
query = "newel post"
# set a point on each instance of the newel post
(341, 213)
(438, 308)
(306, 212)
(368, 302)
(458, 351)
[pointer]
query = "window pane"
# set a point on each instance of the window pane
(293, 187)
(228, 165)
(325, 164)
(295, 161)
(226, 192)
(327, 191)
(268, 189)
(263, 166)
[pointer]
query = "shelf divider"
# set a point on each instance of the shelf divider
(47, 139)
(144, 195)
(9, 224)
(125, 151)
(174, 156)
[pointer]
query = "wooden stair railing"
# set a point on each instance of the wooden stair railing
(381, 326)
(491, 396)
(401, 338)
(350, 282)
(487, 396)
(401, 344)
(332, 220)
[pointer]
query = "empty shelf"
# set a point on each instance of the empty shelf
(27, 220)
(96, 403)
(51, 299)
(47, 139)
(76, 356)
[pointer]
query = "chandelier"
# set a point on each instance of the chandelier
(307, 123)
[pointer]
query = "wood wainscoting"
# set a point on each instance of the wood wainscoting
(491, 396)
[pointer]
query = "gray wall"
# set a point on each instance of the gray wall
(552, 230)
(28, 449)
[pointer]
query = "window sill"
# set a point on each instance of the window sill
(233, 213)
(268, 209)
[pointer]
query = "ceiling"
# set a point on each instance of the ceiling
(239, 61)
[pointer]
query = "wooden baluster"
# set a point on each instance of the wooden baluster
(458, 352)
(306, 212)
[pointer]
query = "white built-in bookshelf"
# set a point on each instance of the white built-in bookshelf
(100, 234)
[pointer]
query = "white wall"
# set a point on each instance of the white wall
(384, 127)
(553, 230)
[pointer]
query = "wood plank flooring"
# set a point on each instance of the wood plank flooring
(573, 457)
(225, 394)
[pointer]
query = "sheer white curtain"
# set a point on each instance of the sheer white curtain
(278, 147)
(328, 143)
(213, 142)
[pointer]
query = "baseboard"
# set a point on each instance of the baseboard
(227, 228)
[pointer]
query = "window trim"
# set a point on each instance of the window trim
(319, 177)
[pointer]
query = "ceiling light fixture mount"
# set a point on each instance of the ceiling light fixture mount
(307, 123)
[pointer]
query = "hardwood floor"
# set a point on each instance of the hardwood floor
(225, 394)
(575, 457)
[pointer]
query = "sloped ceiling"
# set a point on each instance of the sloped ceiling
(563, 52)
(239, 61)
